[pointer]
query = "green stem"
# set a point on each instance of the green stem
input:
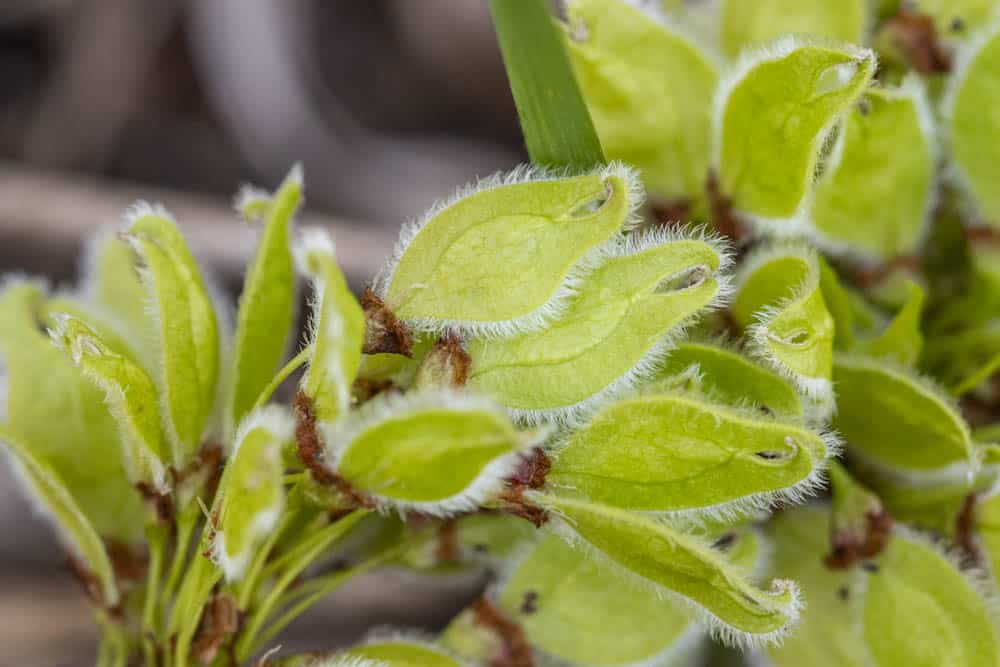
(113, 649)
(186, 522)
(248, 585)
(302, 556)
(554, 118)
(313, 591)
(293, 364)
(156, 537)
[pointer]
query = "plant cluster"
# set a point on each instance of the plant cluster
(607, 385)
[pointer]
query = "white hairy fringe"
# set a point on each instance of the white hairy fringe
(223, 318)
(280, 425)
(799, 223)
(964, 56)
(560, 300)
(959, 470)
(249, 194)
(651, 362)
(913, 88)
(338, 436)
(716, 627)
(758, 333)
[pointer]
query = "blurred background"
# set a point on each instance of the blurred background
(389, 104)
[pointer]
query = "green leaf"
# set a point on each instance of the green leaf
(973, 92)
(578, 610)
(186, 326)
(267, 304)
(503, 256)
(404, 652)
(491, 538)
(625, 318)
(670, 453)
(725, 376)
(987, 526)
(111, 283)
(780, 300)
(902, 339)
(839, 304)
(773, 112)
(251, 492)
(745, 23)
(874, 201)
(829, 634)
(49, 404)
(898, 420)
(130, 395)
(648, 88)
(436, 451)
(338, 329)
(75, 529)
(921, 611)
(668, 561)
(958, 19)
(557, 129)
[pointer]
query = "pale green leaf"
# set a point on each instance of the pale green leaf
(839, 304)
(577, 610)
(900, 421)
(404, 652)
(958, 19)
(969, 107)
(130, 395)
(58, 502)
(902, 339)
(874, 200)
(752, 23)
(338, 329)
(49, 404)
(726, 376)
(251, 493)
(780, 300)
(648, 88)
(186, 326)
(267, 304)
(668, 561)
(625, 318)
(829, 634)
(773, 111)
(921, 611)
(502, 256)
(434, 451)
(670, 453)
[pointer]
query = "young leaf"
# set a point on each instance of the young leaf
(666, 561)
(647, 87)
(780, 301)
(338, 329)
(437, 452)
(57, 501)
(130, 395)
(839, 304)
(973, 92)
(896, 419)
(251, 492)
(958, 19)
(945, 623)
(902, 339)
(829, 634)
(745, 24)
(403, 652)
(187, 330)
(504, 255)
(772, 113)
(873, 200)
(726, 376)
(49, 404)
(267, 303)
(669, 453)
(577, 610)
(625, 318)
